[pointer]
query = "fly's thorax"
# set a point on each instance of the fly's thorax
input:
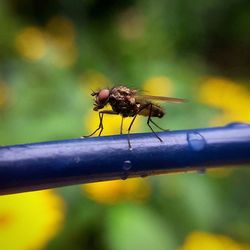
(121, 92)
(122, 102)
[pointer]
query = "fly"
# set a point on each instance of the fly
(129, 103)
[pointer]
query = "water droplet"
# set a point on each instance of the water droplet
(196, 141)
(127, 165)
(238, 125)
(77, 159)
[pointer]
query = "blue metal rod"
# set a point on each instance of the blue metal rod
(52, 164)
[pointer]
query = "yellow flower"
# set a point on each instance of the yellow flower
(31, 43)
(111, 192)
(206, 241)
(231, 97)
(61, 42)
(159, 85)
(56, 43)
(93, 80)
(29, 220)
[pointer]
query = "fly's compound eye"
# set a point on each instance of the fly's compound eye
(103, 96)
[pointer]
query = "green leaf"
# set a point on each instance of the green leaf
(137, 227)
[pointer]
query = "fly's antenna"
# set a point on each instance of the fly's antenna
(93, 92)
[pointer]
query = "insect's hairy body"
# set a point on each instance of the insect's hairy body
(123, 101)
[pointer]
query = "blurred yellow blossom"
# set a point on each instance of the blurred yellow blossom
(61, 41)
(158, 85)
(31, 43)
(111, 192)
(231, 97)
(207, 241)
(93, 80)
(55, 42)
(29, 220)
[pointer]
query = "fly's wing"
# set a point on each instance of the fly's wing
(143, 98)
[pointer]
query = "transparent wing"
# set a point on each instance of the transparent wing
(159, 98)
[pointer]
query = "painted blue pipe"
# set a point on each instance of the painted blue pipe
(52, 164)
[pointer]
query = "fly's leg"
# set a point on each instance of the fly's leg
(121, 127)
(101, 124)
(150, 105)
(100, 127)
(132, 122)
(150, 120)
(129, 128)
(158, 125)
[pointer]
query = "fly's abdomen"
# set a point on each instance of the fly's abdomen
(156, 111)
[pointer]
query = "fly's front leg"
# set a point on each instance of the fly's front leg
(100, 127)
(101, 114)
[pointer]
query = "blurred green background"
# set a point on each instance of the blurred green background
(52, 53)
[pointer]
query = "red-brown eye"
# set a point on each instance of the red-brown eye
(103, 95)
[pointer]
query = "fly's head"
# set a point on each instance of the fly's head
(101, 98)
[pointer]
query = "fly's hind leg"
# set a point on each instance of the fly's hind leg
(158, 125)
(150, 120)
(150, 105)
